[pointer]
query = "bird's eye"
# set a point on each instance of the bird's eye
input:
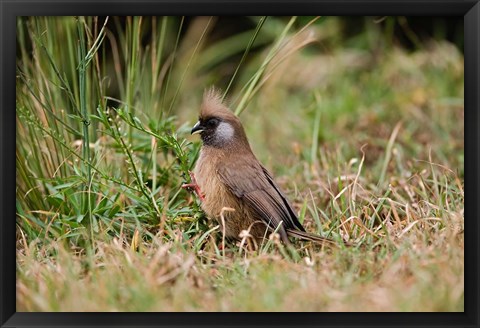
(211, 123)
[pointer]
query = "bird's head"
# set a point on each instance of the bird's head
(217, 125)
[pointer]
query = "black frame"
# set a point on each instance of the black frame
(9, 9)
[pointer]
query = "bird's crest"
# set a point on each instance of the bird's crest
(212, 104)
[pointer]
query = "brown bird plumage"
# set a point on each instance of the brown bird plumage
(229, 176)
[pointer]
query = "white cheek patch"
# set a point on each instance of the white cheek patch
(224, 131)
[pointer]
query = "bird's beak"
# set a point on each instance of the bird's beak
(197, 128)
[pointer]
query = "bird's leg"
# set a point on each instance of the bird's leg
(193, 185)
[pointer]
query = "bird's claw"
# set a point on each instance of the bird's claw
(193, 186)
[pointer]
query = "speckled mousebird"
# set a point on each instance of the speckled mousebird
(227, 175)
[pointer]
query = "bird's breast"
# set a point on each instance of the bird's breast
(217, 196)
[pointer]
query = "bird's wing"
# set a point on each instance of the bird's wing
(285, 201)
(253, 184)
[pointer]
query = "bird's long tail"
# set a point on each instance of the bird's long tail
(313, 237)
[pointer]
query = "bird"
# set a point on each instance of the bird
(234, 188)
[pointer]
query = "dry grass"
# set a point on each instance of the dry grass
(414, 277)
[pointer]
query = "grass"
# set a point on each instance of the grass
(366, 140)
